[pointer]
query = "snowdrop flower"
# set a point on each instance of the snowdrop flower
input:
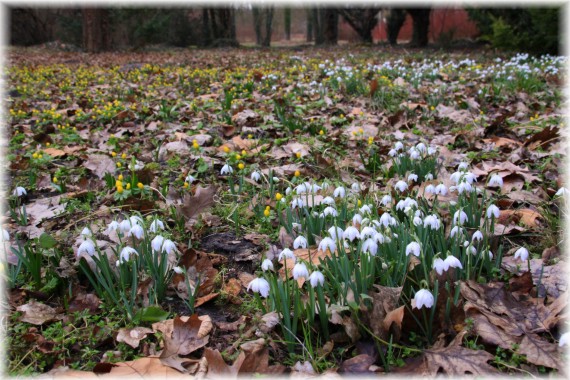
(156, 225)
(413, 248)
(460, 217)
(386, 220)
(86, 246)
(330, 211)
(564, 339)
(428, 176)
(423, 298)
(477, 236)
(267, 265)
(316, 278)
(301, 189)
(368, 232)
(339, 192)
(351, 233)
(137, 231)
(432, 221)
(300, 242)
(421, 147)
(386, 199)
(370, 246)
(226, 169)
(19, 191)
(462, 187)
(288, 190)
(336, 233)
(327, 243)
(190, 178)
(255, 176)
(381, 238)
(325, 185)
(561, 192)
(495, 181)
(417, 221)
(113, 226)
(355, 187)
(414, 154)
(392, 152)
(5, 235)
(413, 177)
(493, 210)
(135, 219)
(300, 271)
(126, 254)
(462, 166)
(328, 201)
(365, 209)
(178, 270)
(440, 266)
(125, 226)
(168, 246)
(286, 254)
(441, 189)
(259, 285)
(401, 186)
(522, 253)
(297, 203)
(430, 189)
(86, 232)
(156, 243)
(357, 219)
(453, 262)
(398, 145)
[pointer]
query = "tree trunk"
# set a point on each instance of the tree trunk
(394, 22)
(420, 18)
(268, 27)
(96, 37)
(263, 24)
(363, 21)
(310, 22)
(330, 26)
(257, 24)
(287, 23)
(318, 17)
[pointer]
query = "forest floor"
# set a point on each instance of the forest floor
(287, 211)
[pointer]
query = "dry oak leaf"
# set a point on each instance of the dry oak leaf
(525, 216)
(54, 152)
(37, 313)
(384, 303)
(144, 368)
(192, 205)
(100, 164)
(133, 336)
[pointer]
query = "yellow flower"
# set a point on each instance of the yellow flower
(321, 132)
(241, 166)
(432, 108)
(35, 155)
(359, 203)
(120, 189)
(119, 164)
(238, 157)
(278, 196)
(298, 154)
(54, 179)
(267, 212)
(128, 186)
(250, 136)
(186, 185)
(120, 177)
(119, 183)
(48, 144)
(40, 155)
(360, 130)
(297, 173)
(243, 152)
(140, 185)
(195, 145)
(226, 149)
(370, 140)
(123, 156)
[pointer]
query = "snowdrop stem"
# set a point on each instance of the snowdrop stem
(260, 302)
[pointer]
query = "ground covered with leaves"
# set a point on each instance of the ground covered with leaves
(226, 212)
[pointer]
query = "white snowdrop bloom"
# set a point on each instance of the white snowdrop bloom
(297, 203)
(300, 271)
(398, 146)
(561, 192)
(493, 211)
(471, 249)
(5, 235)
(495, 181)
(169, 246)
(453, 262)
(522, 253)
(312, 188)
(428, 177)
(441, 189)
(417, 221)
(325, 185)
(457, 230)
(381, 238)
(336, 233)
(431, 151)
(365, 209)
(339, 192)
(357, 219)
(413, 248)
(368, 232)
(300, 242)
(421, 147)
(370, 246)
(440, 266)
(156, 243)
(430, 189)
(469, 178)
(355, 187)
(330, 211)
(126, 254)
(255, 176)
(328, 201)
(156, 225)
(564, 339)
(401, 186)
(86, 232)
(301, 189)
(125, 226)
(456, 177)
(386, 199)
(423, 298)
(286, 254)
(86, 246)
(113, 226)
(259, 285)
(432, 222)
(351, 233)
(413, 177)
(414, 154)
(419, 213)
(178, 270)
(327, 243)
(288, 190)
(316, 278)
(462, 166)
(464, 187)
(226, 169)
(267, 265)
(190, 178)
(392, 152)
(19, 191)
(477, 236)
(460, 217)
(136, 231)
(386, 219)
(401, 204)
(135, 219)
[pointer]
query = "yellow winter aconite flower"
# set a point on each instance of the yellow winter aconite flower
(186, 185)
(140, 185)
(123, 156)
(359, 203)
(321, 132)
(226, 149)
(278, 196)
(298, 154)
(54, 179)
(120, 189)
(48, 144)
(370, 140)
(120, 177)
(118, 183)
(241, 166)
(297, 173)
(35, 155)
(119, 164)
(267, 212)
(128, 186)
(238, 157)
(243, 152)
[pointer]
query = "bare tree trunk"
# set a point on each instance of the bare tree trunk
(361, 20)
(268, 27)
(263, 24)
(310, 24)
(257, 24)
(287, 23)
(394, 21)
(330, 26)
(96, 37)
(420, 18)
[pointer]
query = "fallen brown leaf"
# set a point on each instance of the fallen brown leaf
(38, 313)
